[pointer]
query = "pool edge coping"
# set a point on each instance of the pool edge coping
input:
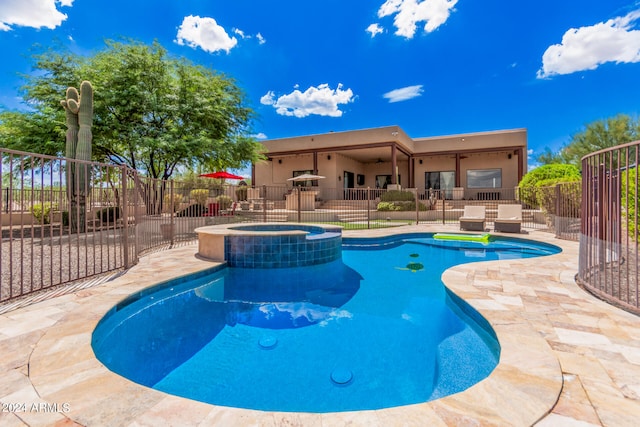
(480, 402)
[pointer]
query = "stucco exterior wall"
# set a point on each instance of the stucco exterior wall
(368, 152)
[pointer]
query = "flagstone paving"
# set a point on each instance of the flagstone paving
(567, 358)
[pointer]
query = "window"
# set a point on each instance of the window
(484, 178)
(308, 183)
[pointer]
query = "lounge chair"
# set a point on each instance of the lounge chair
(509, 218)
(473, 218)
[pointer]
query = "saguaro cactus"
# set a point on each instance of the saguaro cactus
(79, 110)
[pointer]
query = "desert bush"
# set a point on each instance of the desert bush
(199, 195)
(401, 205)
(630, 199)
(387, 206)
(241, 193)
(397, 196)
(177, 199)
(542, 176)
(42, 212)
(224, 201)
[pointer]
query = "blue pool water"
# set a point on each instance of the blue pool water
(372, 330)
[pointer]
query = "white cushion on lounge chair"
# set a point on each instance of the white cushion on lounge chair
(473, 213)
(509, 213)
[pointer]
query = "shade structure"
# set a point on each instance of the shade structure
(305, 177)
(221, 175)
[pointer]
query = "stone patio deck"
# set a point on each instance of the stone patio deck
(567, 358)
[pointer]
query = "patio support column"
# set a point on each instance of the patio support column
(394, 165)
(412, 162)
(520, 164)
(457, 170)
(315, 163)
(253, 174)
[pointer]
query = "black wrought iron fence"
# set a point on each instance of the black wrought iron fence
(608, 264)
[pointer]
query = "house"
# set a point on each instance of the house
(483, 165)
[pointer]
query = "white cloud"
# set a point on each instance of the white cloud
(408, 13)
(204, 33)
(321, 100)
(32, 13)
(260, 135)
(586, 48)
(374, 30)
(261, 38)
(404, 93)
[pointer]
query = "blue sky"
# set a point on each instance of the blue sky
(433, 67)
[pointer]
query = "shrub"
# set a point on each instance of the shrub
(546, 196)
(387, 206)
(65, 218)
(241, 193)
(397, 196)
(108, 215)
(630, 199)
(199, 195)
(541, 176)
(224, 201)
(402, 205)
(177, 199)
(42, 212)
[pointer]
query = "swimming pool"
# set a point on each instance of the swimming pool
(375, 329)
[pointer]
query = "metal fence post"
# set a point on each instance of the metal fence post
(299, 206)
(125, 211)
(442, 198)
(264, 203)
(417, 206)
(368, 207)
(171, 216)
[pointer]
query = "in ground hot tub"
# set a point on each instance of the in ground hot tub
(270, 245)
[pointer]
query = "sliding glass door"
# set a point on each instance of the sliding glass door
(440, 180)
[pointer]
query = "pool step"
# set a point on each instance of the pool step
(352, 217)
(270, 216)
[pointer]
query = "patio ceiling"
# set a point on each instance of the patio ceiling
(363, 155)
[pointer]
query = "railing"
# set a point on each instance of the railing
(49, 238)
(608, 264)
(41, 247)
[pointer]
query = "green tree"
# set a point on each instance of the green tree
(596, 136)
(152, 112)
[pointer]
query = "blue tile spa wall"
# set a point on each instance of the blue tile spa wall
(278, 251)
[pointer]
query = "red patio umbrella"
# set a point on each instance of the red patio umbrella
(221, 175)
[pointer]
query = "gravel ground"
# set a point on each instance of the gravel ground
(619, 279)
(32, 264)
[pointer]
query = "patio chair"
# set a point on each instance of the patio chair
(509, 218)
(473, 218)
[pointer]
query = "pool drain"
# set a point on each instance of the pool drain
(268, 342)
(341, 376)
